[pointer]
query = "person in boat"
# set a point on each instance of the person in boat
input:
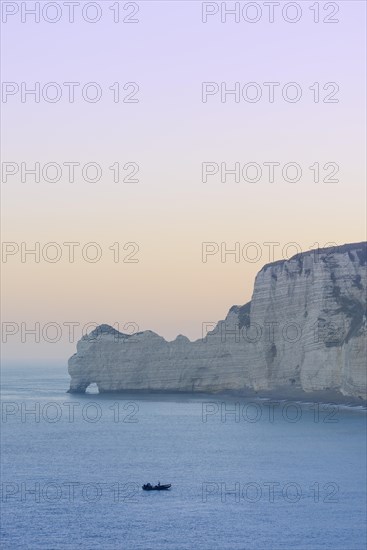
(159, 483)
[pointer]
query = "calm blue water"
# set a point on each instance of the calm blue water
(298, 479)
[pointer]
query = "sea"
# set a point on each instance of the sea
(245, 474)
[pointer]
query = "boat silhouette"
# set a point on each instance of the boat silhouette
(159, 487)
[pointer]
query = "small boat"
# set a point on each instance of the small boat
(159, 487)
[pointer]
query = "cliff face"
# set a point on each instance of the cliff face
(303, 331)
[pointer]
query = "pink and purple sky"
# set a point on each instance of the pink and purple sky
(169, 133)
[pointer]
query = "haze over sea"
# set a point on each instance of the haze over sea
(242, 477)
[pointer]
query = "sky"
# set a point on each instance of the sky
(149, 100)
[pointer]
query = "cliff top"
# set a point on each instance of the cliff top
(356, 251)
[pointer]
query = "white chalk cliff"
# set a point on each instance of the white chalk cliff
(303, 332)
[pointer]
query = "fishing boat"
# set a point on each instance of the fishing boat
(159, 487)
